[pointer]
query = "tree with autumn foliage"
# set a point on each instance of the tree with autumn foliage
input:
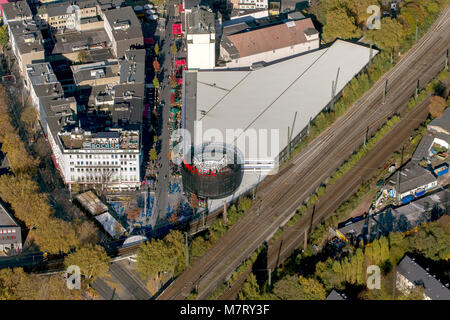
(156, 65)
(92, 260)
(174, 49)
(340, 24)
(165, 255)
(172, 98)
(173, 81)
(15, 284)
(155, 82)
(437, 106)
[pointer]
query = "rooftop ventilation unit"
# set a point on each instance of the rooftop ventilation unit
(290, 24)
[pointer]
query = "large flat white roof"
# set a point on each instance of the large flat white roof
(269, 97)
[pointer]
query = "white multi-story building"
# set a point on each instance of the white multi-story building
(107, 152)
(111, 159)
(251, 4)
(201, 38)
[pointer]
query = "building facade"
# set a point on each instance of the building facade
(10, 234)
(411, 275)
(201, 38)
(250, 4)
(111, 159)
(123, 29)
(268, 44)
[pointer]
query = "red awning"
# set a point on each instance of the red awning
(176, 28)
(148, 40)
(181, 62)
(3, 2)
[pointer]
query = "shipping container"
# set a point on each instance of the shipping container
(419, 192)
(407, 199)
(441, 170)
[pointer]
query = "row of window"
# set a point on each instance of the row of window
(103, 169)
(8, 237)
(98, 163)
(104, 156)
(7, 230)
(105, 179)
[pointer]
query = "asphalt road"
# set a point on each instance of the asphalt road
(283, 193)
(132, 288)
(162, 181)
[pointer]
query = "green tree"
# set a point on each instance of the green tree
(288, 288)
(250, 289)
(82, 56)
(166, 255)
(389, 37)
(432, 241)
(92, 260)
(174, 49)
(311, 289)
(4, 38)
(152, 154)
(156, 82)
(198, 247)
(29, 117)
(340, 25)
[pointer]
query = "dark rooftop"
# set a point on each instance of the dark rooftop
(132, 67)
(200, 20)
(442, 122)
(334, 295)
(124, 23)
(416, 274)
(401, 218)
(16, 10)
(27, 35)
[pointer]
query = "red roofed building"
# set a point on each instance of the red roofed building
(268, 44)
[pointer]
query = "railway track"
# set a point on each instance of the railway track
(292, 238)
(314, 165)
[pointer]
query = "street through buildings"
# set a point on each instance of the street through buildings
(159, 213)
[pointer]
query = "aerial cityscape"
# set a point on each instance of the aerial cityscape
(224, 150)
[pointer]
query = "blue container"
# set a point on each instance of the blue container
(407, 199)
(441, 170)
